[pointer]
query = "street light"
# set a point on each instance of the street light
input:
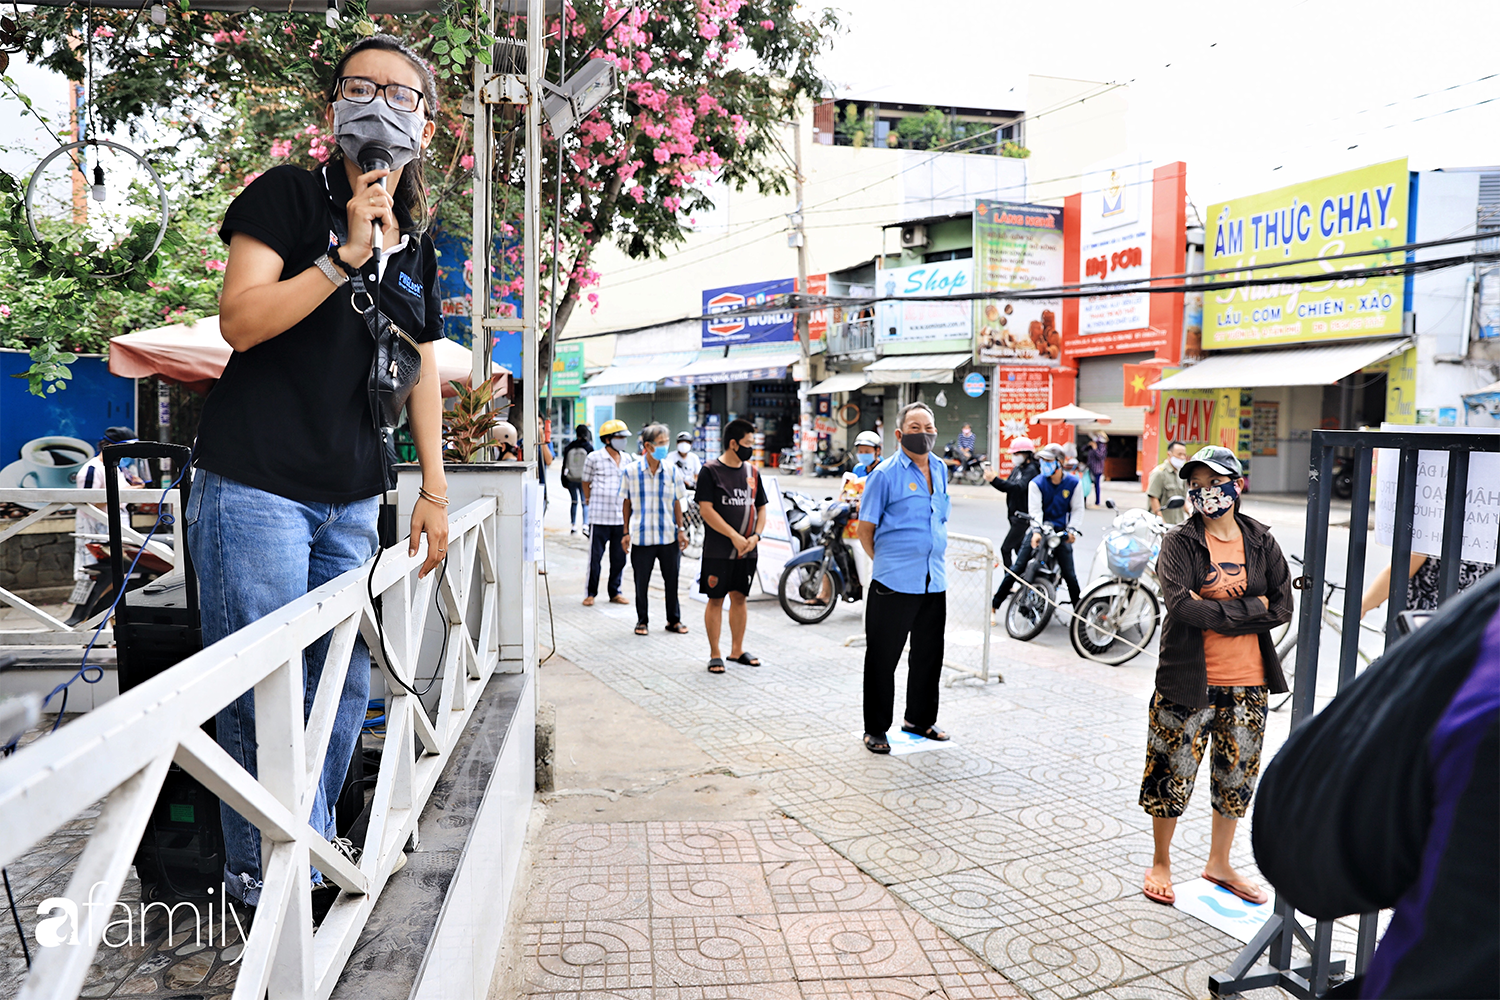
(581, 93)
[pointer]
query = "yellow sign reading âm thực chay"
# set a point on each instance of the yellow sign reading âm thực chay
(1364, 209)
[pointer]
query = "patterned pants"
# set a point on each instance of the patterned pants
(1178, 738)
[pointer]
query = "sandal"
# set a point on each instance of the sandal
(716, 665)
(588, 602)
(1167, 898)
(745, 659)
(678, 627)
(642, 628)
(618, 599)
(877, 744)
(1254, 895)
(930, 733)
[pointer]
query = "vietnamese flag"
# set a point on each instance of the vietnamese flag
(1137, 380)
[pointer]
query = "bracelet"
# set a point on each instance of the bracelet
(347, 268)
(432, 497)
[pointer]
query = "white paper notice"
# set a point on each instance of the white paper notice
(1481, 507)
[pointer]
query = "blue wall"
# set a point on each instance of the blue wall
(93, 400)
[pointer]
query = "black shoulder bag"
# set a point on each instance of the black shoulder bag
(397, 364)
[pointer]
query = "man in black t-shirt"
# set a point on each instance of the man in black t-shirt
(732, 501)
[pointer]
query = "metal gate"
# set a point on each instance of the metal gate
(1312, 974)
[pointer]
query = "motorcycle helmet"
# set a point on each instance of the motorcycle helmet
(867, 438)
(1022, 444)
(1051, 453)
(611, 428)
(684, 436)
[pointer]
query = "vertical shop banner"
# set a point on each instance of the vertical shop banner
(1017, 247)
(817, 320)
(1021, 392)
(1115, 245)
(762, 329)
(567, 369)
(1202, 417)
(456, 287)
(1364, 209)
(1481, 509)
(914, 322)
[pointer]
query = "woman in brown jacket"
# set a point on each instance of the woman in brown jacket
(1226, 585)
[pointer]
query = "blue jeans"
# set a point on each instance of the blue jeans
(575, 491)
(255, 552)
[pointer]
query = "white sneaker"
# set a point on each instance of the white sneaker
(347, 848)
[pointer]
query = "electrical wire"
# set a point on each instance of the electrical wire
(20, 932)
(163, 519)
(375, 606)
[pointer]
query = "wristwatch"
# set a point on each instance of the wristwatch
(325, 264)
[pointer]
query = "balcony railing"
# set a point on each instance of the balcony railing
(853, 337)
(120, 752)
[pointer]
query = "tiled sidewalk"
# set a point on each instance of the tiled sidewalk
(749, 910)
(1023, 839)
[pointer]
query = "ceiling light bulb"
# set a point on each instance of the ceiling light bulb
(99, 192)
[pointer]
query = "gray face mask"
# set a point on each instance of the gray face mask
(355, 125)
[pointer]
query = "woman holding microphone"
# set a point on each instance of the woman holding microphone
(291, 462)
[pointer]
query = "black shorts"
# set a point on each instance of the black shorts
(727, 575)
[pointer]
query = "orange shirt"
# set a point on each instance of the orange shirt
(1232, 660)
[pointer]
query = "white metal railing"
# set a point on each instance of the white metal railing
(120, 753)
(54, 631)
(854, 337)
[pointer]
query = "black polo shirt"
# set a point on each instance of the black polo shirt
(291, 415)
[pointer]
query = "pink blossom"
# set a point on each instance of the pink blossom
(466, 161)
(104, 31)
(281, 148)
(643, 61)
(4, 312)
(250, 177)
(638, 193)
(661, 154)
(214, 265)
(768, 25)
(671, 203)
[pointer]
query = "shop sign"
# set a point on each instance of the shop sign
(1020, 394)
(1364, 209)
(1202, 417)
(817, 320)
(905, 322)
(764, 328)
(567, 370)
(1017, 247)
(974, 385)
(1115, 245)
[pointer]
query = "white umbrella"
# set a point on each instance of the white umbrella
(1070, 414)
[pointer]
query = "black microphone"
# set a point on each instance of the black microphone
(375, 156)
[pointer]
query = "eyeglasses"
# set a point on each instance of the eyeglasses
(358, 90)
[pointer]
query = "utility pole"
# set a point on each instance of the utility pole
(798, 238)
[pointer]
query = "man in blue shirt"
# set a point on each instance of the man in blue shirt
(1053, 497)
(903, 526)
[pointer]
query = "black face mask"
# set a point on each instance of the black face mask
(918, 444)
(744, 453)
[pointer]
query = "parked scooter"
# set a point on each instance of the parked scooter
(1119, 614)
(963, 466)
(835, 464)
(1030, 607)
(816, 578)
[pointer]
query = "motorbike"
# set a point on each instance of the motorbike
(964, 465)
(835, 464)
(814, 580)
(1343, 478)
(1030, 607)
(1119, 614)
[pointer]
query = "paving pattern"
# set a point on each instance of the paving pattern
(743, 910)
(1023, 842)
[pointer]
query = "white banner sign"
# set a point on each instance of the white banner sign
(917, 321)
(1115, 245)
(1481, 507)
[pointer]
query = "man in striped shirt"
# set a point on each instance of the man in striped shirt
(602, 472)
(653, 491)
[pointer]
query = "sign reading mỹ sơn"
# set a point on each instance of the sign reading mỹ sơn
(1364, 209)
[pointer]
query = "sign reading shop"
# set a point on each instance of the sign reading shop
(763, 328)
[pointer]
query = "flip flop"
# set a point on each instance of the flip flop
(877, 744)
(618, 599)
(588, 602)
(1256, 899)
(677, 627)
(716, 665)
(930, 733)
(745, 659)
(1168, 898)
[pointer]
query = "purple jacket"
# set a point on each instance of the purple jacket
(1093, 457)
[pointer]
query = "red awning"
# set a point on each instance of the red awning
(195, 355)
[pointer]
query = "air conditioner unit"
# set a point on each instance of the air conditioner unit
(913, 236)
